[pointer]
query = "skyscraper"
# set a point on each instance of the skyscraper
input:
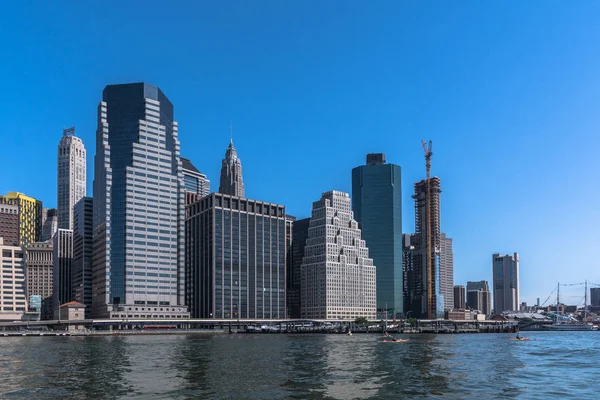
(9, 224)
(194, 181)
(460, 297)
(411, 277)
(377, 206)
(479, 296)
(506, 282)
(236, 251)
(447, 271)
(30, 216)
(338, 277)
(231, 182)
(40, 276)
(13, 303)
(294, 267)
(81, 272)
(594, 297)
(71, 176)
(138, 207)
(49, 223)
(430, 287)
(63, 262)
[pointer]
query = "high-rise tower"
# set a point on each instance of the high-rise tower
(506, 282)
(71, 176)
(29, 211)
(377, 206)
(194, 181)
(231, 173)
(138, 207)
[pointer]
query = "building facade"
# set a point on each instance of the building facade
(231, 182)
(338, 277)
(294, 267)
(138, 207)
(506, 282)
(446, 271)
(460, 297)
(62, 258)
(479, 296)
(40, 277)
(49, 223)
(71, 176)
(9, 224)
(194, 181)
(411, 277)
(81, 273)
(377, 207)
(13, 302)
(594, 297)
(30, 216)
(428, 298)
(235, 258)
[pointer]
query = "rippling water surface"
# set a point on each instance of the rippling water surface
(556, 365)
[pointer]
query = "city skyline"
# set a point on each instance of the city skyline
(470, 117)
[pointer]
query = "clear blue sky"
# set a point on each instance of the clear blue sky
(509, 92)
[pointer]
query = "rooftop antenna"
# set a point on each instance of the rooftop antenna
(230, 132)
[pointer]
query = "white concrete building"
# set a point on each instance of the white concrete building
(338, 277)
(71, 176)
(13, 302)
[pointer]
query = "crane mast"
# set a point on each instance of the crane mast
(429, 268)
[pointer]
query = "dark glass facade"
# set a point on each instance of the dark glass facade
(377, 206)
(235, 258)
(294, 293)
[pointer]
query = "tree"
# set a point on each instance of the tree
(360, 321)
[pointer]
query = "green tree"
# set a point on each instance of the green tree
(361, 321)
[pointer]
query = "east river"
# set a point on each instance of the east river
(302, 366)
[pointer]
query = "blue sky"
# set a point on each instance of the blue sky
(509, 92)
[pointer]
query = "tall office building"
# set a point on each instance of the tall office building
(430, 281)
(235, 258)
(30, 216)
(460, 297)
(9, 224)
(231, 182)
(71, 176)
(294, 267)
(479, 296)
(447, 271)
(81, 273)
(63, 261)
(506, 282)
(40, 277)
(13, 303)
(49, 223)
(411, 277)
(194, 181)
(138, 207)
(377, 206)
(338, 277)
(594, 297)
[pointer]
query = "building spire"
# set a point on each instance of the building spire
(230, 133)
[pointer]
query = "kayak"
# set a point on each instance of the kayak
(395, 341)
(522, 339)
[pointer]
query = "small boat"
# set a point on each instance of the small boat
(395, 341)
(521, 339)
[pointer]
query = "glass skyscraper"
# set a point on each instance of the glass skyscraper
(377, 206)
(138, 207)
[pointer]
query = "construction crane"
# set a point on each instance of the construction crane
(429, 272)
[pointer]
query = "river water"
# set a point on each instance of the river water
(311, 366)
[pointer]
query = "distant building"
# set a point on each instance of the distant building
(236, 253)
(13, 301)
(49, 223)
(138, 207)
(81, 273)
(294, 267)
(9, 224)
(194, 181)
(594, 297)
(506, 282)
(231, 182)
(63, 262)
(459, 315)
(30, 216)
(71, 176)
(460, 297)
(479, 297)
(377, 207)
(421, 297)
(338, 277)
(447, 271)
(40, 276)
(71, 311)
(411, 277)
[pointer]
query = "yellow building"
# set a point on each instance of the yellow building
(30, 216)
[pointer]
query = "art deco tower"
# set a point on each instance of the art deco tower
(71, 176)
(231, 173)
